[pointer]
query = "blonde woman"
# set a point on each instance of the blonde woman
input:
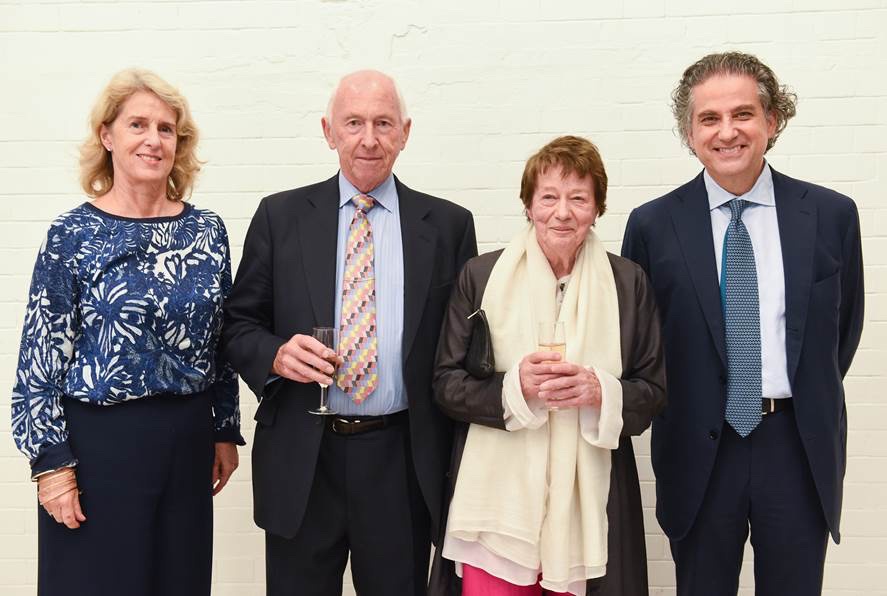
(129, 419)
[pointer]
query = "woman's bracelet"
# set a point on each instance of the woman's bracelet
(57, 478)
(56, 485)
(44, 499)
(53, 473)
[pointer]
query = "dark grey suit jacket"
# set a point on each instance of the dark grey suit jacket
(286, 285)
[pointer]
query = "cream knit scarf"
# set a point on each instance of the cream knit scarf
(536, 497)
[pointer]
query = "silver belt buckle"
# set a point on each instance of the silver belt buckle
(345, 425)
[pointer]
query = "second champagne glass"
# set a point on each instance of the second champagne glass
(326, 336)
(552, 338)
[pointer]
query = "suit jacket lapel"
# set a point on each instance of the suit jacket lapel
(797, 234)
(692, 222)
(419, 242)
(318, 231)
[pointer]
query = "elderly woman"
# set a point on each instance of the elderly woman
(129, 419)
(545, 490)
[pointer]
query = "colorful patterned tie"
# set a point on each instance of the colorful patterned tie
(742, 318)
(358, 375)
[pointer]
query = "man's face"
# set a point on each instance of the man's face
(366, 129)
(729, 130)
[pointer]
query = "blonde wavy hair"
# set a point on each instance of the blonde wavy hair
(96, 167)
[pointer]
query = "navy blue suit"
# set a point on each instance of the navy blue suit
(671, 238)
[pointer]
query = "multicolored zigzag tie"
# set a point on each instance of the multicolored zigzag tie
(358, 375)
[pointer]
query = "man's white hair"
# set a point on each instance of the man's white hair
(404, 116)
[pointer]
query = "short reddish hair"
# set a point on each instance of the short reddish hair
(574, 155)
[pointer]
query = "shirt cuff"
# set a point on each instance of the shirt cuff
(229, 435)
(51, 458)
(602, 426)
(519, 411)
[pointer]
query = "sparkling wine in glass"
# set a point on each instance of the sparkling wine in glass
(552, 338)
(326, 336)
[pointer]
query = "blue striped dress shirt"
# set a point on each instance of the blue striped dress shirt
(390, 395)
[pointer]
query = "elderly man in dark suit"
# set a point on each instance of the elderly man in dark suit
(758, 279)
(364, 254)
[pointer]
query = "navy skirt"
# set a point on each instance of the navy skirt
(145, 472)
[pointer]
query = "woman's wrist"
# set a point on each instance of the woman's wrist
(55, 484)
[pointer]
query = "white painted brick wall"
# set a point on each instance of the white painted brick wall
(486, 83)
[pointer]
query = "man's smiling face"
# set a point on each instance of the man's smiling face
(729, 130)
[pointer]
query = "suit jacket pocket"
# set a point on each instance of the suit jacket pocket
(826, 293)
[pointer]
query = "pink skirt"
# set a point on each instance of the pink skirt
(477, 582)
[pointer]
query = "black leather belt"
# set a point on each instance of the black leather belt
(357, 425)
(771, 406)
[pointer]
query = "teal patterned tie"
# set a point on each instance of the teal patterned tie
(742, 318)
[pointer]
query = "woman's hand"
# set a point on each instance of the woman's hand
(224, 465)
(58, 494)
(573, 386)
(535, 369)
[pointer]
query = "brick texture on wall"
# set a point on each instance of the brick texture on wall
(486, 83)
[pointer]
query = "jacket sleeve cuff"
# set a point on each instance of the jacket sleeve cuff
(519, 412)
(259, 374)
(602, 426)
(52, 457)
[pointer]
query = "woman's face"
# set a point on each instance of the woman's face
(142, 141)
(562, 211)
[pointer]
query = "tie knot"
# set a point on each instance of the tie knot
(737, 206)
(363, 202)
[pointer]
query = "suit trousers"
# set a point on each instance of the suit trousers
(763, 483)
(145, 472)
(365, 501)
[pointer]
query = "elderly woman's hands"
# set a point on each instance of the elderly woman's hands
(58, 494)
(535, 369)
(570, 386)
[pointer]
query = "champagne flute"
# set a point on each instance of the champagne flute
(326, 336)
(552, 338)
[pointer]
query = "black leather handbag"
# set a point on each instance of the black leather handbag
(479, 360)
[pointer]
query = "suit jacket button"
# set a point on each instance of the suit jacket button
(713, 435)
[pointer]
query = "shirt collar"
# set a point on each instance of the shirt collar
(385, 194)
(761, 193)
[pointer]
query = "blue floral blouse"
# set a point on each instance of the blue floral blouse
(122, 309)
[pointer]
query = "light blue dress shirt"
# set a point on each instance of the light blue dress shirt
(390, 395)
(762, 224)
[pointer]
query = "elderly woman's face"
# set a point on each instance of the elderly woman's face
(142, 140)
(562, 211)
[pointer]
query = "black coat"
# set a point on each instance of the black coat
(470, 400)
